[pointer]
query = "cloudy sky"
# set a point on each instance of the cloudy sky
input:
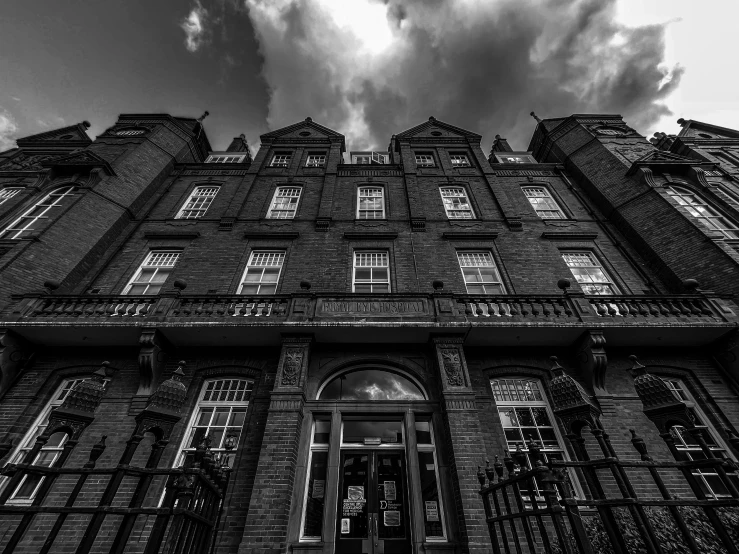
(366, 68)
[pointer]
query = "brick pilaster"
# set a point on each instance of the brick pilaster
(466, 447)
(266, 526)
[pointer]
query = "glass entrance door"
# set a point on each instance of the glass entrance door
(372, 512)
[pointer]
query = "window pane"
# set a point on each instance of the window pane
(315, 500)
(321, 431)
(371, 384)
(430, 491)
(390, 432)
(423, 432)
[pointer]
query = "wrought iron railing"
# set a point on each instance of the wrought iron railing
(182, 520)
(629, 506)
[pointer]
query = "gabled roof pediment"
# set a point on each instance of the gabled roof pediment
(304, 130)
(663, 160)
(432, 128)
(72, 135)
(692, 129)
(83, 160)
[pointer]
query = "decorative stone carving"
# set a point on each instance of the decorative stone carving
(15, 357)
(291, 366)
(151, 360)
(592, 359)
(452, 367)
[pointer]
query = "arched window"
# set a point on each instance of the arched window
(526, 416)
(371, 384)
(219, 415)
(706, 216)
(709, 481)
(36, 217)
(27, 488)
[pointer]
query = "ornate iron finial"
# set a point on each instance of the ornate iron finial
(519, 457)
(206, 113)
(640, 446)
(535, 453)
(532, 114)
(481, 476)
(498, 468)
(508, 461)
(490, 471)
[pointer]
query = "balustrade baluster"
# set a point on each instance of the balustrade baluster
(653, 308)
(493, 308)
(267, 306)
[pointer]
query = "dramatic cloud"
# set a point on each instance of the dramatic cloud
(370, 69)
(194, 26)
(8, 130)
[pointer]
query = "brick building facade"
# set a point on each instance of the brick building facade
(357, 338)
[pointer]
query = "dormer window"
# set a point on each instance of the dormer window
(222, 159)
(281, 159)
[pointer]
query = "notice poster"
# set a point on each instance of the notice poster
(355, 493)
(432, 510)
(391, 518)
(345, 526)
(319, 488)
(390, 490)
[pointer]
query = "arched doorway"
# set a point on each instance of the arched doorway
(373, 477)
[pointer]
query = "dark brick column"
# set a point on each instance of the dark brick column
(466, 447)
(266, 526)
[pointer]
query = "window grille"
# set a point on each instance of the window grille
(543, 203)
(285, 203)
(526, 416)
(371, 272)
(424, 160)
(262, 273)
(459, 160)
(456, 204)
(26, 489)
(219, 416)
(708, 479)
(198, 203)
(370, 203)
(480, 273)
(281, 160)
(614, 132)
(129, 132)
(153, 273)
(316, 160)
(705, 215)
(589, 273)
(7, 193)
(33, 219)
(224, 159)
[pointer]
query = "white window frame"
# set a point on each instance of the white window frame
(316, 160)
(424, 159)
(281, 159)
(594, 265)
(198, 203)
(527, 398)
(39, 211)
(543, 203)
(459, 159)
(36, 429)
(364, 213)
(702, 212)
(285, 203)
(314, 447)
(463, 210)
(476, 259)
(431, 447)
(721, 450)
(219, 450)
(224, 159)
(261, 260)
(358, 256)
(7, 193)
(158, 260)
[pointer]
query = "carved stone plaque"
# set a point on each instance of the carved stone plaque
(292, 364)
(452, 367)
(372, 308)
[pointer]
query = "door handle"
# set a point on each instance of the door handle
(377, 534)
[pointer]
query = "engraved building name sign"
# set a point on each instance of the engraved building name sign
(377, 308)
